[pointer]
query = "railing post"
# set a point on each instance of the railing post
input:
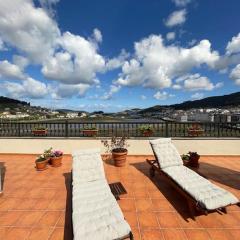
(66, 128)
(166, 129)
(218, 129)
(19, 130)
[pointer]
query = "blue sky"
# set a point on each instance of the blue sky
(114, 55)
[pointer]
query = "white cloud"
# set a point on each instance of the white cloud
(162, 95)
(118, 61)
(20, 61)
(48, 6)
(68, 91)
(78, 63)
(197, 96)
(97, 35)
(67, 58)
(196, 82)
(143, 97)
(10, 71)
(113, 89)
(171, 36)
(155, 64)
(176, 18)
(234, 45)
(235, 74)
(192, 42)
(181, 3)
(176, 86)
(2, 47)
(29, 29)
(29, 88)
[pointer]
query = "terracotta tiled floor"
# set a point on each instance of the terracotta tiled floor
(37, 205)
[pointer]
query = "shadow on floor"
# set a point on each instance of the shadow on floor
(177, 201)
(221, 175)
(2, 175)
(68, 231)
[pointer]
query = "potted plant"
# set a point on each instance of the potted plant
(90, 131)
(195, 130)
(41, 163)
(48, 154)
(39, 131)
(56, 158)
(118, 147)
(146, 130)
(191, 159)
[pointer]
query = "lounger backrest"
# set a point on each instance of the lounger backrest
(166, 153)
(87, 166)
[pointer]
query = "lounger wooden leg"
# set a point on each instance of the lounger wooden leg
(131, 236)
(192, 211)
(224, 210)
(152, 172)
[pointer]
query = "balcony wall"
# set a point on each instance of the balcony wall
(137, 146)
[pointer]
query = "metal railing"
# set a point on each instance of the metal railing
(129, 129)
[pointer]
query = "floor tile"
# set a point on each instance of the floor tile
(147, 220)
(151, 235)
(197, 234)
(49, 219)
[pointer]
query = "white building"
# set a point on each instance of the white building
(72, 114)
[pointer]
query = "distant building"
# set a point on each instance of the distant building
(222, 118)
(201, 117)
(72, 114)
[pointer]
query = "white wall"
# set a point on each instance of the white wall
(137, 147)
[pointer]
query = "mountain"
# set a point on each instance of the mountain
(230, 100)
(11, 103)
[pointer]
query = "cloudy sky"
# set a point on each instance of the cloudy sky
(112, 55)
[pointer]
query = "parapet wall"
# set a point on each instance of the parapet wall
(137, 146)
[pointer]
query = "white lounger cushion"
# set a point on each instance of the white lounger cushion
(207, 194)
(96, 214)
(166, 152)
(87, 166)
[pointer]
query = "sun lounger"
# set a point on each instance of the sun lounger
(96, 214)
(200, 193)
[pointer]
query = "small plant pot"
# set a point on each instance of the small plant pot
(193, 161)
(90, 133)
(56, 161)
(147, 133)
(119, 158)
(39, 132)
(40, 166)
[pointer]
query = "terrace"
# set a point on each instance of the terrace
(37, 205)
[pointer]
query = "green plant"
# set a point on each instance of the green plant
(193, 154)
(190, 155)
(145, 128)
(116, 144)
(89, 128)
(195, 126)
(40, 158)
(48, 153)
(185, 157)
(39, 128)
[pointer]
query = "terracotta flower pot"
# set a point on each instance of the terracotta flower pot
(90, 133)
(40, 166)
(39, 132)
(147, 133)
(119, 158)
(56, 161)
(193, 161)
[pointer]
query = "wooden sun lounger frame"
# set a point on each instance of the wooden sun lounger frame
(193, 205)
